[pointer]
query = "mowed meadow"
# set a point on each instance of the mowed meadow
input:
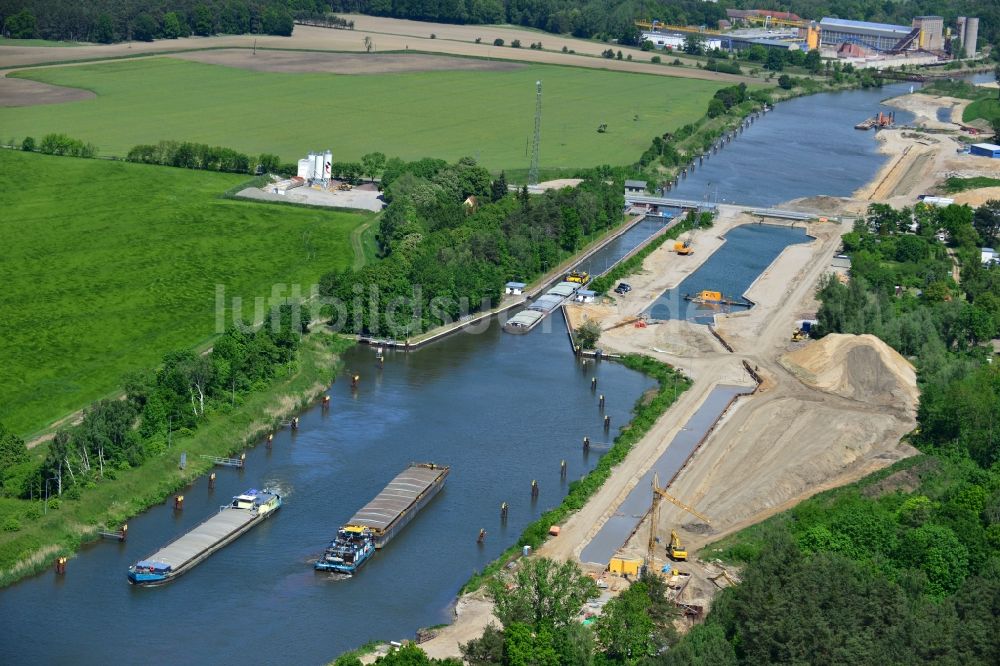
(108, 265)
(488, 115)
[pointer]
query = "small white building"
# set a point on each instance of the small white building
(675, 41)
(514, 288)
(988, 255)
(586, 296)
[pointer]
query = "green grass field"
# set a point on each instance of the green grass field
(106, 266)
(987, 108)
(488, 115)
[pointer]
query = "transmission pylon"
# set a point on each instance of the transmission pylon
(533, 171)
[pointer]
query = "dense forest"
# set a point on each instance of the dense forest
(107, 21)
(446, 255)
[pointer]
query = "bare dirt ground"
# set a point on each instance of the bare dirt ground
(978, 197)
(343, 63)
(365, 197)
(387, 35)
(925, 108)
(21, 92)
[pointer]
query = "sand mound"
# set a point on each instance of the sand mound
(859, 367)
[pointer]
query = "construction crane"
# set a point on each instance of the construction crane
(657, 26)
(675, 548)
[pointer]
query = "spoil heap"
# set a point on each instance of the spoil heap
(857, 367)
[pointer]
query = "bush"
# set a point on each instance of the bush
(656, 60)
(11, 524)
(479, 40)
(587, 334)
(565, 50)
(515, 44)
(497, 42)
(433, 36)
(786, 82)
(28, 145)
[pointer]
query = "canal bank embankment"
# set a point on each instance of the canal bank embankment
(69, 524)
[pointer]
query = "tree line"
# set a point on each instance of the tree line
(451, 237)
(107, 21)
(117, 434)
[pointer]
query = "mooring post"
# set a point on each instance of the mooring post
(503, 512)
(482, 536)
(243, 460)
(178, 502)
(354, 381)
(600, 402)
(295, 423)
(270, 439)
(593, 384)
(211, 481)
(534, 489)
(326, 401)
(562, 469)
(123, 532)
(586, 444)
(60, 565)
(607, 422)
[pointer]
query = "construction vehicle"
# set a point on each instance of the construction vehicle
(345, 186)
(683, 247)
(579, 277)
(798, 335)
(675, 549)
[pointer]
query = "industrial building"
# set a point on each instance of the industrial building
(874, 36)
(985, 150)
(675, 40)
(968, 35)
(316, 166)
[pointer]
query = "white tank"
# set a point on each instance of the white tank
(305, 166)
(971, 36)
(318, 166)
(327, 164)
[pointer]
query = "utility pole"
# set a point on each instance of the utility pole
(533, 171)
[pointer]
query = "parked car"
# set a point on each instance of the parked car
(623, 288)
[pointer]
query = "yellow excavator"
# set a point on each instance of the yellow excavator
(675, 549)
(683, 247)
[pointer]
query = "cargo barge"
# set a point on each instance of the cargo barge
(525, 320)
(396, 506)
(187, 551)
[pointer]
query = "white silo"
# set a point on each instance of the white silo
(318, 166)
(327, 164)
(971, 36)
(305, 166)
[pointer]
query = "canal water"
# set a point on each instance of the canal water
(731, 269)
(601, 261)
(620, 526)
(502, 410)
(803, 147)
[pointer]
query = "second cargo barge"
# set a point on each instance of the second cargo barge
(405, 495)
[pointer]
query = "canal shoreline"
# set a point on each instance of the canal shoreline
(261, 414)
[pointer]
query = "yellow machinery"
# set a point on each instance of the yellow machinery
(683, 247)
(770, 21)
(674, 549)
(578, 277)
(798, 335)
(677, 551)
(345, 186)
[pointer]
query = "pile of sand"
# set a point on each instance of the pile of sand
(858, 367)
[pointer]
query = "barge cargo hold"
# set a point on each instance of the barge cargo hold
(184, 553)
(405, 495)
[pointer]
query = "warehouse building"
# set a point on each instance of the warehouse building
(985, 150)
(925, 34)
